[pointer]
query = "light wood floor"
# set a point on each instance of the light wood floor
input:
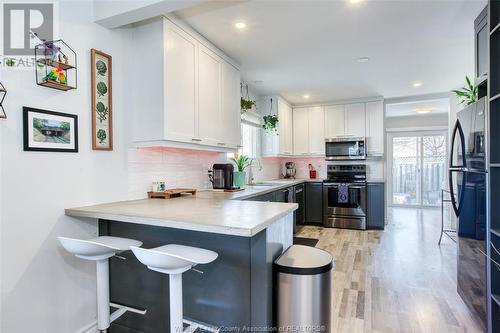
(397, 280)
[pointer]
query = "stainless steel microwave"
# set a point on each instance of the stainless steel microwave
(345, 148)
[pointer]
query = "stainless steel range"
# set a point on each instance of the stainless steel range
(344, 202)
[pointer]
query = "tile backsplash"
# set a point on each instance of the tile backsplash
(188, 168)
(374, 169)
(183, 168)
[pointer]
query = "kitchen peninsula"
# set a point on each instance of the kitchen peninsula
(235, 290)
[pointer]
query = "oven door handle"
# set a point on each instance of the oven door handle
(349, 185)
(357, 187)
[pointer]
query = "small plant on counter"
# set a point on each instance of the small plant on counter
(270, 122)
(242, 162)
(467, 95)
(246, 104)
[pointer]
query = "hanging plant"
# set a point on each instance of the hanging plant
(270, 122)
(467, 95)
(246, 103)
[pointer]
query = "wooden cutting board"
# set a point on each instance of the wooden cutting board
(171, 193)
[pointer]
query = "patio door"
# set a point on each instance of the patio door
(417, 167)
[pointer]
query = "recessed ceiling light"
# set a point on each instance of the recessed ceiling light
(307, 96)
(363, 59)
(422, 110)
(417, 84)
(355, 1)
(240, 25)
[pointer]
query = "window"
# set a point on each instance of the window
(251, 126)
(249, 140)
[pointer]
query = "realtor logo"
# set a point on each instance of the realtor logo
(21, 18)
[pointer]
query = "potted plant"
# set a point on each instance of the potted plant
(270, 122)
(242, 162)
(246, 104)
(467, 95)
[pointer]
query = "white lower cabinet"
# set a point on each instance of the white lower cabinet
(194, 100)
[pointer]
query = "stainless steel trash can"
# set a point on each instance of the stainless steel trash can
(304, 290)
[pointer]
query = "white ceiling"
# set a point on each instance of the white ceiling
(437, 106)
(310, 47)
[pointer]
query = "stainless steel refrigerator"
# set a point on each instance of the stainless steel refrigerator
(467, 181)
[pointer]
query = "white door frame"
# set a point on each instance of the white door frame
(412, 132)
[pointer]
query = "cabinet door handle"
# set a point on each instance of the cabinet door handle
(221, 143)
(196, 140)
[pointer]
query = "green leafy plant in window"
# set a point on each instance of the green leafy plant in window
(270, 122)
(467, 95)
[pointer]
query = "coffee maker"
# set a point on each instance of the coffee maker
(222, 176)
(289, 170)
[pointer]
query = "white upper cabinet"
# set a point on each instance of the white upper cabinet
(193, 100)
(375, 128)
(316, 131)
(308, 131)
(301, 131)
(355, 119)
(285, 128)
(334, 121)
(276, 143)
(180, 52)
(231, 115)
(209, 97)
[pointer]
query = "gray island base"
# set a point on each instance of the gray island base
(234, 293)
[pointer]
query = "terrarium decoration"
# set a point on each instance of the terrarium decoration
(246, 103)
(55, 64)
(3, 92)
(270, 120)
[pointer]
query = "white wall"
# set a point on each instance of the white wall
(43, 289)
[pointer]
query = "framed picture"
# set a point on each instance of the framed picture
(102, 109)
(49, 131)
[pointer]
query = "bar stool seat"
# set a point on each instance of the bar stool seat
(174, 259)
(100, 249)
(97, 248)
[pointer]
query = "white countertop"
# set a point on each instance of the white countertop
(207, 211)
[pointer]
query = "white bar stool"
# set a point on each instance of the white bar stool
(100, 249)
(173, 259)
